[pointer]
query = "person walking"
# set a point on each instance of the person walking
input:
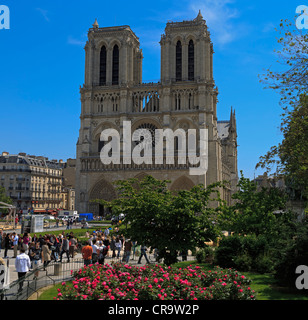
(113, 246)
(95, 251)
(87, 253)
(22, 265)
(35, 254)
(7, 241)
(25, 242)
(118, 245)
(65, 249)
(127, 250)
(143, 253)
(15, 243)
(72, 245)
(46, 254)
(1, 239)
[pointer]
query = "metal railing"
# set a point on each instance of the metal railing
(41, 277)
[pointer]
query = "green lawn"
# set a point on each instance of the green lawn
(263, 284)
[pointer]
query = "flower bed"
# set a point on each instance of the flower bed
(125, 282)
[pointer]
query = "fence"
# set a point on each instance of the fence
(41, 277)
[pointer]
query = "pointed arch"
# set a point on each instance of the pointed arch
(103, 66)
(178, 61)
(115, 65)
(103, 190)
(191, 60)
(182, 183)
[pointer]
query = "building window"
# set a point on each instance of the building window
(191, 62)
(178, 61)
(115, 65)
(102, 67)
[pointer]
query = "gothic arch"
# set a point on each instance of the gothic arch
(102, 126)
(182, 183)
(141, 121)
(140, 176)
(103, 190)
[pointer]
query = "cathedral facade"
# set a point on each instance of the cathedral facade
(185, 98)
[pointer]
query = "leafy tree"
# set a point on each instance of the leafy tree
(169, 222)
(253, 212)
(290, 157)
(5, 199)
(291, 82)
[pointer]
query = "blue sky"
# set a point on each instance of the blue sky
(42, 66)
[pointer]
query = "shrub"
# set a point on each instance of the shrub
(126, 282)
(205, 255)
(243, 262)
(244, 253)
(264, 264)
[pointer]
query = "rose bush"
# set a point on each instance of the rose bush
(125, 282)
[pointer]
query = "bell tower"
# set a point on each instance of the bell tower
(186, 51)
(113, 57)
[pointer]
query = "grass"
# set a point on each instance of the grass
(263, 284)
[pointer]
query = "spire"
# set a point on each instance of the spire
(232, 119)
(199, 16)
(95, 24)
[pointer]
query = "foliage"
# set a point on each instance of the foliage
(205, 254)
(125, 282)
(163, 220)
(290, 252)
(290, 156)
(244, 253)
(253, 211)
(4, 198)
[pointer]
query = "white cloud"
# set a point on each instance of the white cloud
(220, 18)
(76, 42)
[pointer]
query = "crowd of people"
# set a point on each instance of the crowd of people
(42, 249)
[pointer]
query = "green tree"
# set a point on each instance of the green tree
(4, 198)
(253, 212)
(161, 219)
(290, 157)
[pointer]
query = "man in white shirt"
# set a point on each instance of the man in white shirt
(22, 265)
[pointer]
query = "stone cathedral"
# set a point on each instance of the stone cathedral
(185, 97)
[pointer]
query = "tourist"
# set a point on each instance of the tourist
(118, 245)
(87, 254)
(143, 253)
(46, 254)
(127, 250)
(7, 243)
(72, 245)
(15, 243)
(95, 251)
(35, 253)
(113, 246)
(25, 242)
(1, 238)
(22, 265)
(65, 249)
